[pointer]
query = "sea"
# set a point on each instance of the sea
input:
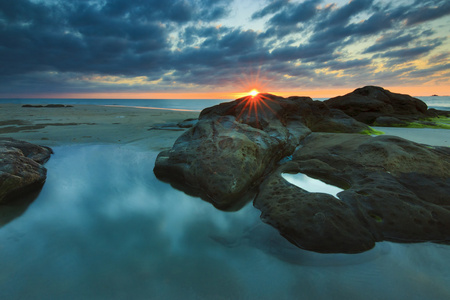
(437, 102)
(104, 227)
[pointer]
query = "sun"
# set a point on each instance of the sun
(253, 92)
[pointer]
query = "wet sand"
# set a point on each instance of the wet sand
(92, 124)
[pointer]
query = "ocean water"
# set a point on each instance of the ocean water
(438, 102)
(103, 227)
(176, 104)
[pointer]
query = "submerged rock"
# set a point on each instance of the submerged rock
(376, 106)
(233, 146)
(21, 169)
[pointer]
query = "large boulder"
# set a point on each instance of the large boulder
(21, 169)
(224, 157)
(395, 190)
(376, 106)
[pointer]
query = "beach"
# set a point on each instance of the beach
(92, 124)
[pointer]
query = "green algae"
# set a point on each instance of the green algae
(376, 217)
(371, 131)
(436, 123)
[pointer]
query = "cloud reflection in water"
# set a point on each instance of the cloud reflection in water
(105, 227)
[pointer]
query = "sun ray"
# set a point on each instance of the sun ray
(256, 107)
(254, 92)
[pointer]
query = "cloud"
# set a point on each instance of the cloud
(180, 44)
(349, 64)
(390, 41)
(428, 72)
(407, 53)
(272, 8)
(343, 15)
(295, 13)
(433, 10)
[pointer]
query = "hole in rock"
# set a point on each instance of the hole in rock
(311, 185)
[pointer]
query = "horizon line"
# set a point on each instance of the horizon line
(442, 91)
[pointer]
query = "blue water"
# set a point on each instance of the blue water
(188, 104)
(103, 227)
(440, 102)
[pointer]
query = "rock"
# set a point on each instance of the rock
(21, 169)
(180, 126)
(224, 157)
(395, 190)
(48, 106)
(370, 102)
(32, 106)
(188, 123)
(389, 122)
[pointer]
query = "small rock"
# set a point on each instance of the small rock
(21, 169)
(188, 123)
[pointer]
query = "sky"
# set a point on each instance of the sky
(221, 49)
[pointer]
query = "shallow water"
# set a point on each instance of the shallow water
(103, 227)
(311, 185)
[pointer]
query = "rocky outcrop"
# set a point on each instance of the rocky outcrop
(376, 106)
(21, 169)
(223, 158)
(395, 190)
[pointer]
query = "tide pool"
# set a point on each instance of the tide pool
(311, 185)
(103, 227)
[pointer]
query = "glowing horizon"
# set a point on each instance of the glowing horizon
(415, 91)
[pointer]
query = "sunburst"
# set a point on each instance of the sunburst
(253, 92)
(255, 107)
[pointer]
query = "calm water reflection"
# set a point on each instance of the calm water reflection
(311, 185)
(104, 227)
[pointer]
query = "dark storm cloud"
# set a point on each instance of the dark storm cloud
(153, 38)
(121, 37)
